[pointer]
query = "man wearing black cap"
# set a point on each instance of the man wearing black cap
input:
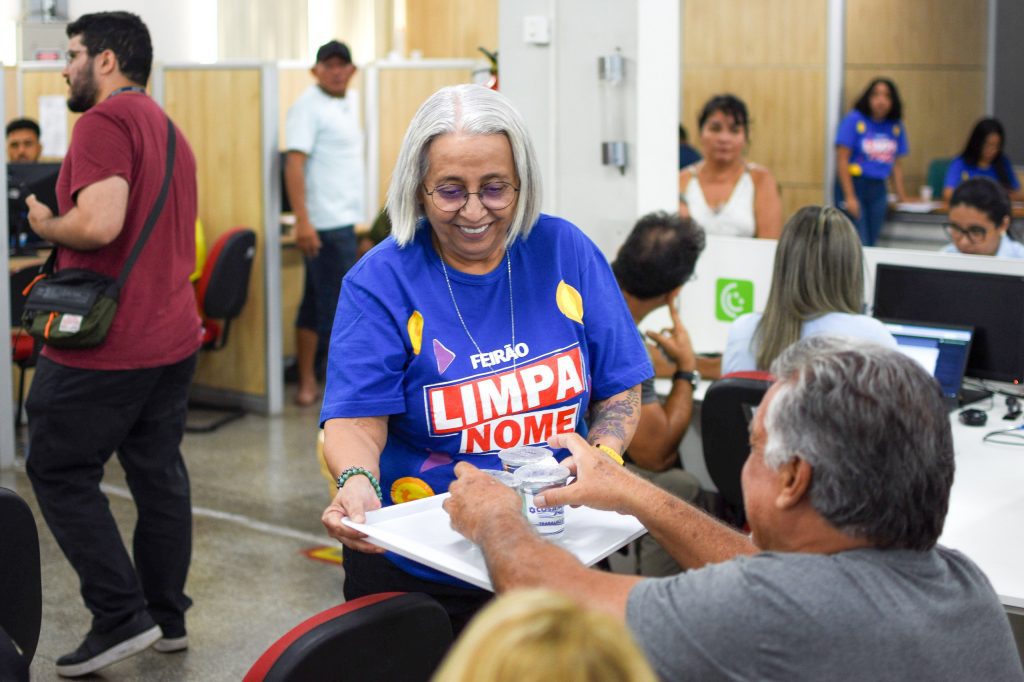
(324, 176)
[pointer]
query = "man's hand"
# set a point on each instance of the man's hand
(38, 214)
(306, 238)
(477, 500)
(675, 343)
(600, 482)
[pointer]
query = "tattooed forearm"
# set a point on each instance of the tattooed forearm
(615, 419)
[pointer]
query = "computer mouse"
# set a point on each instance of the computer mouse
(973, 417)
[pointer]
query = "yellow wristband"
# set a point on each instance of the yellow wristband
(611, 453)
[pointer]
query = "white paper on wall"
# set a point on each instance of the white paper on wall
(53, 124)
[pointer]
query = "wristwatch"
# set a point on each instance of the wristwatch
(693, 378)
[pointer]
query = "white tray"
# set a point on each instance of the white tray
(421, 530)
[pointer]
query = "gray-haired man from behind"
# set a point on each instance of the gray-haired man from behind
(846, 491)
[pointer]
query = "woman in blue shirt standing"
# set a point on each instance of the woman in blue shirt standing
(869, 144)
(983, 156)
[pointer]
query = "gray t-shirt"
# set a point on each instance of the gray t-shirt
(863, 614)
(647, 392)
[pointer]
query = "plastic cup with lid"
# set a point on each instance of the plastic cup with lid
(502, 476)
(533, 479)
(513, 458)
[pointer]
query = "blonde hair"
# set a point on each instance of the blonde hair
(528, 633)
(819, 269)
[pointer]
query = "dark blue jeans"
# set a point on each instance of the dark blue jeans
(323, 283)
(872, 195)
(77, 418)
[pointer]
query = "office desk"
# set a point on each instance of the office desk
(15, 263)
(916, 229)
(986, 507)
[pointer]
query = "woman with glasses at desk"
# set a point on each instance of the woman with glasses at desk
(479, 325)
(979, 219)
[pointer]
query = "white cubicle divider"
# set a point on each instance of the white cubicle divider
(733, 276)
(936, 261)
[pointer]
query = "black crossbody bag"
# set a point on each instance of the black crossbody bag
(74, 307)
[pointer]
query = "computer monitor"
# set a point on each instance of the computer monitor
(939, 348)
(24, 179)
(992, 304)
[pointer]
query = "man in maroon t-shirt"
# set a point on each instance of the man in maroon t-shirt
(129, 393)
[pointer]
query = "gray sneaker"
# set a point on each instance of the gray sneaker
(168, 645)
(99, 650)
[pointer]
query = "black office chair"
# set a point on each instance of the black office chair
(221, 293)
(377, 638)
(725, 416)
(24, 349)
(21, 600)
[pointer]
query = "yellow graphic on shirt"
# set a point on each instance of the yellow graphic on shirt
(895, 131)
(855, 170)
(415, 328)
(569, 302)
(861, 127)
(409, 488)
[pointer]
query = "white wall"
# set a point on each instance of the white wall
(556, 89)
(182, 31)
(175, 27)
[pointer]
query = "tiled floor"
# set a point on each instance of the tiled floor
(257, 494)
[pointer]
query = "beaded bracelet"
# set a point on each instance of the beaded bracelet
(360, 471)
(611, 453)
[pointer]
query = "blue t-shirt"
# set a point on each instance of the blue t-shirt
(399, 349)
(874, 146)
(960, 170)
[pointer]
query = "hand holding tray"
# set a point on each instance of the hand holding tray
(421, 531)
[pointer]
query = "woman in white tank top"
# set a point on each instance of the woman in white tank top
(724, 193)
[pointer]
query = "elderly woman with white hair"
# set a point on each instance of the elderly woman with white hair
(479, 325)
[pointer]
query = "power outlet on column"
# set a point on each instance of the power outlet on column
(536, 30)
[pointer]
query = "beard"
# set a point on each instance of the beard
(84, 91)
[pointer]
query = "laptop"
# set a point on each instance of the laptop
(942, 349)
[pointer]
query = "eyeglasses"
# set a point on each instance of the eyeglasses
(973, 234)
(494, 196)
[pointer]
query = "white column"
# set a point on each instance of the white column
(835, 62)
(555, 87)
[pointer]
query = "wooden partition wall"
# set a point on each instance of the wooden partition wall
(446, 29)
(221, 112)
(38, 80)
(935, 52)
(771, 54)
(10, 93)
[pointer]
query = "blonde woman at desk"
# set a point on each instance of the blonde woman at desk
(817, 288)
(724, 193)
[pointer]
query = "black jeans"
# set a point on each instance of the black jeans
(77, 418)
(372, 573)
